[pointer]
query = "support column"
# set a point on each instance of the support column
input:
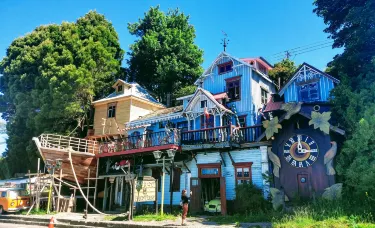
(105, 193)
(266, 185)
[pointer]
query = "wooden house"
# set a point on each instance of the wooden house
(213, 134)
(303, 150)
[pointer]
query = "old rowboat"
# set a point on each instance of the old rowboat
(53, 147)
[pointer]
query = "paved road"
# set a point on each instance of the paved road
(8, 225)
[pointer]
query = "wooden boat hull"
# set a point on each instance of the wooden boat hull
(82, 162)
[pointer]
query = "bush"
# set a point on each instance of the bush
(249, 199)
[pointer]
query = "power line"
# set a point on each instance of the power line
(303, 49)
(302, 52)
(322, 41)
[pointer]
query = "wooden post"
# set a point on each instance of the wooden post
(171, 187)
(58, 196)
(88, 189)
(75, 200)
(131, 201)
(37, 205)
(105, 194)
(156, 196)
(162, 188)
(96, 182)
(111, 195)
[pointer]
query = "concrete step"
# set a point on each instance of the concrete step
(57, 225)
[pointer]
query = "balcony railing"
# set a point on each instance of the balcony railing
(221, 134)
(149, 140)
(204, 136)
(67, 143)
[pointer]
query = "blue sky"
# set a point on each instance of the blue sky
(255, 28)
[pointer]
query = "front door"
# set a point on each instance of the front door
(303, 185)
(223, 196)
(195, 199)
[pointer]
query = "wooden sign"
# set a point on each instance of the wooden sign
(144, 189)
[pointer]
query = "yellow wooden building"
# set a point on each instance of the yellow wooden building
(128, 102)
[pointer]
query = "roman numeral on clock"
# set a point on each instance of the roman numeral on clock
(288, 158)
(312, 158)
(300, 164)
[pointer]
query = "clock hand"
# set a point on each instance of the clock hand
(299, 145)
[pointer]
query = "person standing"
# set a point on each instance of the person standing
(185, 205)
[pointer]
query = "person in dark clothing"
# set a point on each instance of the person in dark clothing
(185, 205)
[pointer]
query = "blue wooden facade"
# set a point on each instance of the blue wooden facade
(308, 85)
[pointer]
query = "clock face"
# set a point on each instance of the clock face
(301, 151)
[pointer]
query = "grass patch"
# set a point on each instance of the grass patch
(142, 218)
(35, 212)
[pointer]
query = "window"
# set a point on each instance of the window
(226, 120)
(263, 96)
(3, 194)
(204, 104)
(119, 89)
(111, 110)
(233, 88)
(242, 121)
(225, 67)
(156, 173)
(243, 172)
(176, 180)
(162, 124)
(183, 124)
(309, 92)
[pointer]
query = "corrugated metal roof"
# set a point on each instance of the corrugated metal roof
(136, 90)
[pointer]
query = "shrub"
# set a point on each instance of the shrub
(249, 199)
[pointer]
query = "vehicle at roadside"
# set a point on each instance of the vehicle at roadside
(13, 200)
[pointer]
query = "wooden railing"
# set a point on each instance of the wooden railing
(148, 140)
(68, 143)
(221, 134)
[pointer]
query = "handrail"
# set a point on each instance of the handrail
(68, 143)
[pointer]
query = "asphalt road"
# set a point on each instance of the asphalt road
(9, 225)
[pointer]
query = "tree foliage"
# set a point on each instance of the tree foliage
(51, 76)
(352, 26)
(283, 70)
(164, 58)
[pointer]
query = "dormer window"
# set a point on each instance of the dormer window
(204, 104)
(119, 89)
(309, 92)
(225, 67)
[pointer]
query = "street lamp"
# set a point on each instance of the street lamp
(51, 166)
(159, 157)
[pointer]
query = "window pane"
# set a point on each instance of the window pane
(239, 172)
(246, 172)
(228, 67)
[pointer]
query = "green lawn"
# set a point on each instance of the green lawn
(143, 218)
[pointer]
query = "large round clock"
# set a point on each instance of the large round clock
(301, 151)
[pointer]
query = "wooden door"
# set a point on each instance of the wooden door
(195, 200)
(223, 196)
(303, 185)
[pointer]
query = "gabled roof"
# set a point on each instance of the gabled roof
(201, 91)
(156, 116)
(222, 55)
(296, 73)
(135, 90)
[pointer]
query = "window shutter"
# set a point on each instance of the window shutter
(176, 179)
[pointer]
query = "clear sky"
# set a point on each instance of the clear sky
(254, 28)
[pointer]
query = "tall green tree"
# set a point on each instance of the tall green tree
(352, 26)
(283, 70)
(164, 58)
(50, 77)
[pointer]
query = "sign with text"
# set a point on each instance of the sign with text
(144, 189)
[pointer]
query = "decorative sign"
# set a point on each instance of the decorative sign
(144, 189)
(209, 171)
(206, 146)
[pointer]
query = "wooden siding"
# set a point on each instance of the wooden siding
(258, 82)
(122, 116)
(216, 83)
(325, 86)
(138, 109)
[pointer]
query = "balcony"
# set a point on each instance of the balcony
(219, 137)
(142, 143)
